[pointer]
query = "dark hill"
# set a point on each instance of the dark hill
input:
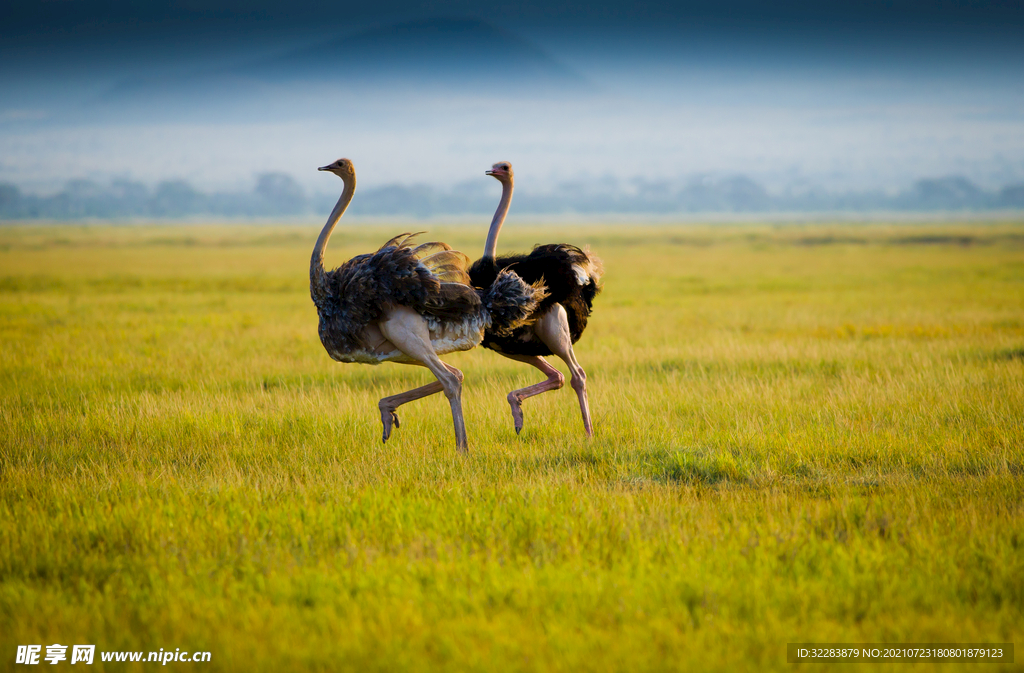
(431, 52)
(448, 56)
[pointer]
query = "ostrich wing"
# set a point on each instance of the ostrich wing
(453, 301)
(448, 265)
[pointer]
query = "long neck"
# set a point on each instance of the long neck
(317, 282)
(491, 246)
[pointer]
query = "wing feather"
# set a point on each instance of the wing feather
(448, 265)
(426, 249)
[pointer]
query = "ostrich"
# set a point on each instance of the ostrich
(410, 304)
(572, 278)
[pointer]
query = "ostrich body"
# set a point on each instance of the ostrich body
(572, 278)
(409, 305)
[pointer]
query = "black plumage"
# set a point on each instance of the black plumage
(571, 278)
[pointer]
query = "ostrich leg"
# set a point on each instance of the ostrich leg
(389, 405)
(554, 381)
(407, 330)
(553, 329)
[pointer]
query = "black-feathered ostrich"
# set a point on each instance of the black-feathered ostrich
(572, 278)
(410, 304)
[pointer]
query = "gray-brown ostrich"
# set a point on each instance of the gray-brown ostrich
(572, 278)
(409, 304)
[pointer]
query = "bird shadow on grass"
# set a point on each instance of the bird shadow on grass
(715, 468)
(1009, 355)
(981, 356)
(704, 467)
(754, 369)
(695, 467)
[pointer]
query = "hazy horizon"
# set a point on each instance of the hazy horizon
(796, 97)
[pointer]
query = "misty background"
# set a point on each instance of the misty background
(113, 108)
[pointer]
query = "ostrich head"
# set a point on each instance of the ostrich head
(501, 171)
(343, 168)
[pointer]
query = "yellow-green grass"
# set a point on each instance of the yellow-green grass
(802, 433)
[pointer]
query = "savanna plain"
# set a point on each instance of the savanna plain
(803, 432)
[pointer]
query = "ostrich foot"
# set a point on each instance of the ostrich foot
(388, 417)
(554, 381)
(579, 384)
(517, 411)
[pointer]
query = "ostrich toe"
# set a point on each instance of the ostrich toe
(388, 417)
(517, 411)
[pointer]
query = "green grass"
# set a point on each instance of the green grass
(802, 433)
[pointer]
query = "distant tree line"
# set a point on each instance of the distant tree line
(277, 194)
(274, 194)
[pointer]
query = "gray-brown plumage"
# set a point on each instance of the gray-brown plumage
(572, 278)
(409, 304)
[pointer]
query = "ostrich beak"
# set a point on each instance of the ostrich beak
(324, 168)
(491, 173)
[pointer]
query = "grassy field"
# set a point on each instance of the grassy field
(802, 433)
